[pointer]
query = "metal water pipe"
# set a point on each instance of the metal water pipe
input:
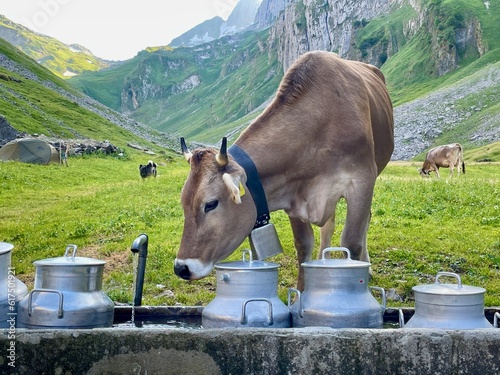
(140, 245)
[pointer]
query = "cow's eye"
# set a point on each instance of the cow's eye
(209, 206)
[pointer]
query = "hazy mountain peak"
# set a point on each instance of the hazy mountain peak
(242, 16)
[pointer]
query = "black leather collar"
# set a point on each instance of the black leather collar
(254, 184)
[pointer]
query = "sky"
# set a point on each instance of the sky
(114, 29)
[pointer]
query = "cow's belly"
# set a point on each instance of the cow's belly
(317, 203)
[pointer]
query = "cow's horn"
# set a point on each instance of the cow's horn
(221, 157)
(185, 150)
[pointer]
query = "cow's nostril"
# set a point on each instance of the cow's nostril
(182, 271)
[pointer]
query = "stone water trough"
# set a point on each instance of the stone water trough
(160, 349)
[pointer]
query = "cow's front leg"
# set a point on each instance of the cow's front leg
(303, 236)
(437, 172)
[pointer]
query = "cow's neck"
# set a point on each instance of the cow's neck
(273, 178)
(254, 184)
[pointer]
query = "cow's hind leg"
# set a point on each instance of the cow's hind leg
(303, 235)
(359, 201)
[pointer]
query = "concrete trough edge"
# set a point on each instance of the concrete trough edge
(250, 351)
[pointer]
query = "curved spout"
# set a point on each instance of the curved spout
(140, 245)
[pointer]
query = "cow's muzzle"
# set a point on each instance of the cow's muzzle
(192, 269)
(182, 271)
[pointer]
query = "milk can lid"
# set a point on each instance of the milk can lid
(249, 264)
(5, 247)
(458, 289)
(336, 262)
(69, 260)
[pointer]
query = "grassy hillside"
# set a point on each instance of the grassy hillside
(32, 106)
(486, 153)
(61, 59)
(106, 85)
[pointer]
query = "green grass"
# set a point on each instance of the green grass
(419, 226)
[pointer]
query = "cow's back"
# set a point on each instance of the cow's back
(328, 103)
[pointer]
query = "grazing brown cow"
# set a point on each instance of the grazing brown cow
(327, 135)
(446, 156)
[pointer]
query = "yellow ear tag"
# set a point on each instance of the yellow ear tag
(242, 190)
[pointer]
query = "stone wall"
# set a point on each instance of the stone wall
(251, 351)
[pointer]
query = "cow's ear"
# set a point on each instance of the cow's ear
(233, 183)
(185, 150)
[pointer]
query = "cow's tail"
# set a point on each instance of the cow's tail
(463, 167)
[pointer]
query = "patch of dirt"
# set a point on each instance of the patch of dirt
(116, 261)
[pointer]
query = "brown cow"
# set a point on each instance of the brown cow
(327, 135)
(446, 156)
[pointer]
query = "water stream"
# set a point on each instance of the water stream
(135, 263)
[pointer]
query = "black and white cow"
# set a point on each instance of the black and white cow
(148, 170)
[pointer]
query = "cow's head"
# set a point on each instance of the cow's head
(424, 172)
(218, 216)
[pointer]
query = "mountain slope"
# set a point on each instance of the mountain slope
(35, 101)
(195, 92)
(202, 33)
(63, 60)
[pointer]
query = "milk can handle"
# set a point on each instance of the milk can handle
(68, 248)
(270, 320)
(452, 274)
(381, 290)
(296, 291)
(250, 256)
(332, 249)
(30, 302)
(495, 319)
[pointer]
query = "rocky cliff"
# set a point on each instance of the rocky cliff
(343, 26)
(268, 12)
(321, 25)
